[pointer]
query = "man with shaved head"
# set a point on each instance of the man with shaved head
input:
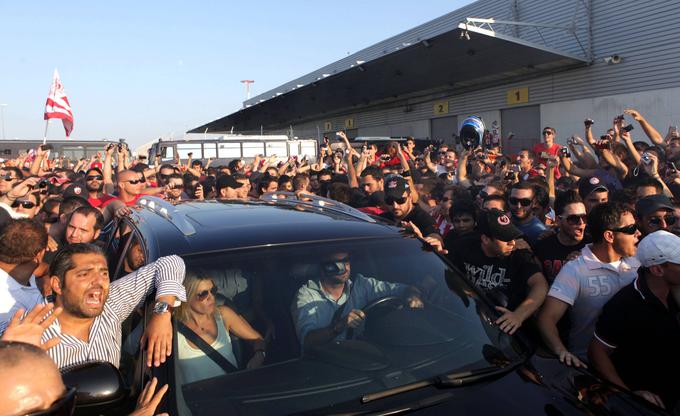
(23, 392)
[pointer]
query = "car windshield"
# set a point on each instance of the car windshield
(421, 319)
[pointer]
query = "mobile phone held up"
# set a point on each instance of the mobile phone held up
(45, 147)
(628, 128)
(564, 152)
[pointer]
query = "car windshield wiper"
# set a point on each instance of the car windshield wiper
(458, 379)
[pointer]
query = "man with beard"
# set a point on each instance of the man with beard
(84, 225)
(510, 273)
(402, 209)
(94, 308)
(584, 285)
(654, 213)
(94, 183)
(553, 251)
(522, 201)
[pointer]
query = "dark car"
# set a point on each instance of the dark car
(265, 260)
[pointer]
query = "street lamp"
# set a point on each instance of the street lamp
(2, 119)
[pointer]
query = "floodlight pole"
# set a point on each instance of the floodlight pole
(247, 82)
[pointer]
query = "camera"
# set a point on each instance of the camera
(588, 122)
(44, 183)
(45, 147)
(564, 152)
(645, 159)
(628, 128)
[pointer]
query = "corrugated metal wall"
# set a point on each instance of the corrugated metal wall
(644, 33)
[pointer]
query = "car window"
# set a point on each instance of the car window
(281, 293)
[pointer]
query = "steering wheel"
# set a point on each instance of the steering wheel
(374, 304)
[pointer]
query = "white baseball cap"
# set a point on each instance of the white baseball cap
(659, 247)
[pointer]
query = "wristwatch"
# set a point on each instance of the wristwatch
(161, 307)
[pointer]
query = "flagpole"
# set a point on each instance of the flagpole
(47, 123)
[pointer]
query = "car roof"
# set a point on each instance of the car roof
(190, 227)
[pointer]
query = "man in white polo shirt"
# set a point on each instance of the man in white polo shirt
(584, 285)
(22, 246)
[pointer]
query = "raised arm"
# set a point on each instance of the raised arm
(649, 130)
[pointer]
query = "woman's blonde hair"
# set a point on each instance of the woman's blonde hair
(192, 279)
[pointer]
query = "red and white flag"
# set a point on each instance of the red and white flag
(57, 105)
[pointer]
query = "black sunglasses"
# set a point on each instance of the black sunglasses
(547, 132)
(24, 204)
(64, 406)
(483, 194)
(628, 229)
(160, 175)
(390, 200)
(203, 295)
(136, 181)
(668, 219)
(525, 202)
(94, 178)
(8, 178)
(574, 219)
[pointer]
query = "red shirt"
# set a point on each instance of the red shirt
(552, 151)
(101, 201)
(128, 204)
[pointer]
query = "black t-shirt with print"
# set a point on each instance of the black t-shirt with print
(508, 274)
(552, 254)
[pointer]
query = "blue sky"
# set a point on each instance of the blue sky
(146, 69)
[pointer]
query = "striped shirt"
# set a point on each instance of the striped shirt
(166, 275)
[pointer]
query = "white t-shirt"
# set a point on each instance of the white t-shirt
(14, 295)
(587, 284)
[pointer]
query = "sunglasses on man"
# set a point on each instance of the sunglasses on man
(23, 204)
(136, 181)
(547, 132)
(574, 219)
(390, 200)
(628, 229)
(668, 219)
(8, 177)
(94, 178)
(525, 202)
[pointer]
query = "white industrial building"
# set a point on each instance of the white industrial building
(520, 64)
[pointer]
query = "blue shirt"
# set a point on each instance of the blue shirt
(313, 308)
(531, 230)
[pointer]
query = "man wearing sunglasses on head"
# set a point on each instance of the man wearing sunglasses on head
(584, 285)
(324, 309)
(654, 213)
(555, 250)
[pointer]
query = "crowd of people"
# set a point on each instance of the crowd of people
(576, 245)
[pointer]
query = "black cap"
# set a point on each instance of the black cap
(395, 186)
(77, 189)
(227, 181)
(652, 203)
(587, 186)
(496, 224)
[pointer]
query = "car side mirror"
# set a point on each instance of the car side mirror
(99, 387)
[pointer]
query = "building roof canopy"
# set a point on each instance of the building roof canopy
(446, 63)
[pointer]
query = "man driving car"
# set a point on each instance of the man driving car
(324, 309)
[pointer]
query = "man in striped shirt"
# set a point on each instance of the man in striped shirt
(94, 308)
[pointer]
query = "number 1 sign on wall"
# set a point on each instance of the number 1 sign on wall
(517, 96)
